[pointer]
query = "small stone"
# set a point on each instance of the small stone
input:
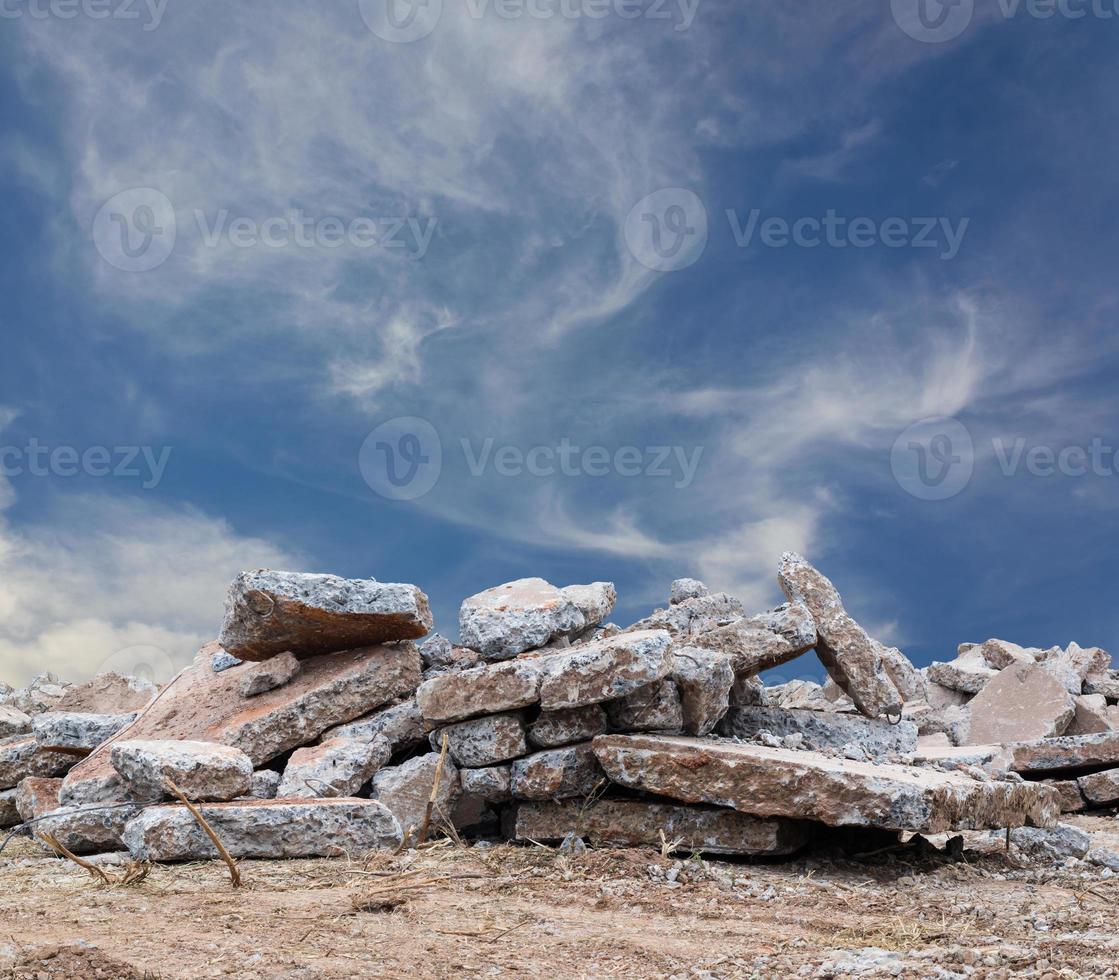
(556, 774)
(528, 613)
(109, 693)
(483, 741)
(265, 784)
(824, 730)
(90, 829)
(201, 770)
(1021, 703)
(406, 789)
(491, 784)
(1050, 845)
(634, 823)
(264, 829)
(852, 658)
(13, 722)
(36, 796)
(704, 679)
(687, 588)
(400, 725)
(1100, 787)
(337, 767)
(568, 726)
(222, 660)
(268, 613)
(74, 730)
(653, 708)
(267, 675)
(1103, 858)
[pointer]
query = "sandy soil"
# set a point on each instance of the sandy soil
(525, 912)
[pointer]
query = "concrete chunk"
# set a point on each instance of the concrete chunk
(704, 679)
(89, 830)
(202, 770)
(1100, 787)
(108, 694)
(690, 617)
(1068, 752)
(400, 725)
(568, 726)
(556, 774)
(491, 784)
(270, 612)
(13, 722)
(823, 730)
(266, 829)
(22, 756)
(202, 706)
(653, 708)
(770, 782)
(1072, 800)
(851, 657)
(604, 669)
(764, 641)
(486, 690)
(265, 785)
(268, 674)
(635, 823)
(968, 673)
(76, 730)
(686, 588)
(1091, 716)
(36, 796)
(9, 812)
(1021, 703)
(1051, 845)
(483, 741)
(336, 767)
(529, 613)
(406, 789)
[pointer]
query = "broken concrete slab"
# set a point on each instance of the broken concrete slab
(604, 670)
(567, 726)
(202, 770)
(851, 657)
(36, 796)
(690, 617)
(823, 730)
(77, 730)
(1023, 702)
(637, 823)
(9, 812)
(653, 708)
(199, 705)
(265, 785)
(938, 750)
(13, 722)
(1100, 788)
(264, 829)
(1052, 844)
(489, 689)
(336, 767)
(1105, 683)
(22, 756)
(775, 782)
(109, 693)
(1069, 752)
(483, 741)
(704, 679)
(400, 725)
(529, 613)
(406, 789)
(938, 696)
(909, 681)
(1086, 660)
(439, 654)
(89, 829)
(556, 774)
(269, 612)
(267, 675)
(1091, 716)
(1072, 800)
(686, 588)
(968, 673)
(491, 784)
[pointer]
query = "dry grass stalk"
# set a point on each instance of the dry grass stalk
(388, 895)
(234, 873)
(426, 826)
(56, 845)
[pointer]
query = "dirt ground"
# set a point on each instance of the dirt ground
(508, 911)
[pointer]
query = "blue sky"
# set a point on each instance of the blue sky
(242, 242)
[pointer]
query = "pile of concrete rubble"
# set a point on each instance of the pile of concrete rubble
(317, 725)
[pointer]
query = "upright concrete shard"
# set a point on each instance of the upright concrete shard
(637, 823)
(529, 613)
(764, 641)
(704, 679)
(268, 613)
(1069, 752)
(1023, 702)
(203, 706)
(266, 829)
(909, 681)
(823, 730)
(769, 782)
(851, 657)
(200, 770)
